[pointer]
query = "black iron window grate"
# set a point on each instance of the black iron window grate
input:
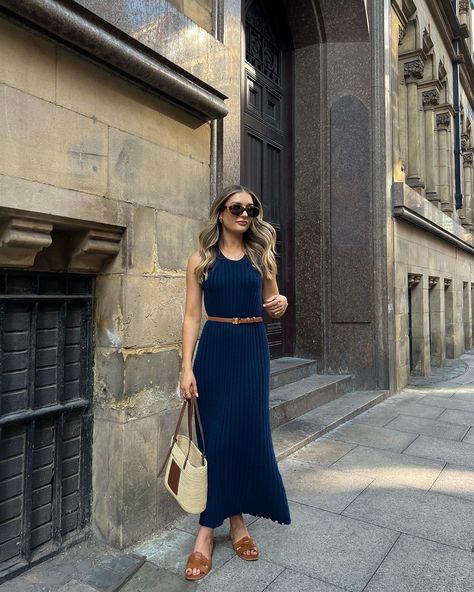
(45, 421)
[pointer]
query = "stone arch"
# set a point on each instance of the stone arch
(412, 38)
(327, 21)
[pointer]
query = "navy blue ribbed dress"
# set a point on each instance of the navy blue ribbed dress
(232, 370)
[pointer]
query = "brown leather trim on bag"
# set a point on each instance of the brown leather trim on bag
(173, 477)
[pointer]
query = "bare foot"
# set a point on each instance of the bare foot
(204, 543)
(239, 530)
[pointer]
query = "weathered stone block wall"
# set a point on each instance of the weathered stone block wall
(419, 253)
(80, 142)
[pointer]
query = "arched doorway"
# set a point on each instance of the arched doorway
(267, 146)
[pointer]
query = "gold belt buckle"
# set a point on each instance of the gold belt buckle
(235, 320)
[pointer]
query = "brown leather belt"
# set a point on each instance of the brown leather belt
(236, 320)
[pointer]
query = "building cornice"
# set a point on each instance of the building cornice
(415, 209)
(74, 26)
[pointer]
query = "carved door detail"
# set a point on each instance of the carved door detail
(266, 145)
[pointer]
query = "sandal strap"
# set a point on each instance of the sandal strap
(199, 561)
(246, 543)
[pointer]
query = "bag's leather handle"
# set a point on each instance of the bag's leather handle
(191, 405)
(193, 408)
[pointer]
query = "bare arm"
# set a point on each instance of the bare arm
(191, 326)
(274, 303)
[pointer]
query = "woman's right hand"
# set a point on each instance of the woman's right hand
(188, 385)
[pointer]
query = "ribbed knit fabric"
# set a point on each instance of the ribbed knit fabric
(232, 370)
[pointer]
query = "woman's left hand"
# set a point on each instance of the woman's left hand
(276, 305)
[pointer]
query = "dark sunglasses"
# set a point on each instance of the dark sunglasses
(236, 209)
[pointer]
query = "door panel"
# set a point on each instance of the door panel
(266, 145)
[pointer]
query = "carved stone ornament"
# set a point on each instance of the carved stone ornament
(464, 142)
(441, 71)
(21, 239)
(467, 158)
(414, 279)
(401, 34)
(431, 98)
(447, 282)
(90, 249)
(432, 281)
(24, 237)
(464, 5)
(443, 120)
(413, 71)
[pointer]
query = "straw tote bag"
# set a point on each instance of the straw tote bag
(186, 465)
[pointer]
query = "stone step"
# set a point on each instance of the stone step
(297, 398)
(286, 370)
(295, 434)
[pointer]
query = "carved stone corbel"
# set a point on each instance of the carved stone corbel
(467, 159)
(401, 34)
(432, 281)
(90, 248)
(447, 283)
(414, 279)
(464, 6)
(21, 239)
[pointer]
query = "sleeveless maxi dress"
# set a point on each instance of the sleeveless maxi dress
(232, 370)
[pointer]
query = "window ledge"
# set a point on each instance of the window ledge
(414, 208)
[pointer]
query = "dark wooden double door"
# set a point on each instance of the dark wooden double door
(267, 146)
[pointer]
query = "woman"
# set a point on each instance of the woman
(235, 268)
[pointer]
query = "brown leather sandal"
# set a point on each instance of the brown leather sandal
(199, 561)
(246, 543)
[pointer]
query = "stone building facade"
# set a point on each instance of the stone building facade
(120, 121)
(431, 96)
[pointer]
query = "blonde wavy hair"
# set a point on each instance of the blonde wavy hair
(259, 238)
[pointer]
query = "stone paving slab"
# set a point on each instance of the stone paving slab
(384, 412)
(378, 415)
(333, 548)
(416, 409)
(293, 581)
(321, 487)
(151, 578)
(76, 586)
(109, 570)
(433, 516)
(397, 469)
(238, 575)
(444, 450)
(171, 550)
(447, 403)
(456, 416)
(323, 451)
(455, 480)
(372, 436)
(443, 389)
(466, 393)
(428, 427)
(469, 437)
(414, 564)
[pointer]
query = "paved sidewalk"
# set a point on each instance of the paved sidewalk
(383, 503)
